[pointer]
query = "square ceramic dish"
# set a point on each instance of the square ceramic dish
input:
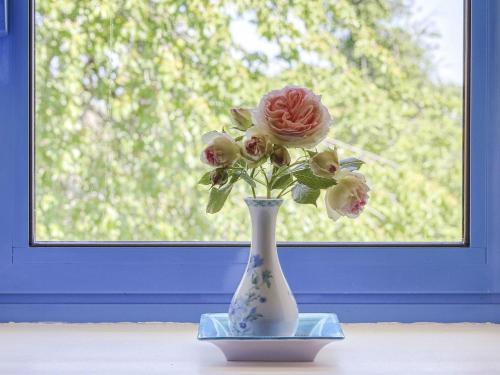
(314, 332)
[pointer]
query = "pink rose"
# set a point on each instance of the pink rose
(293, 116)
(256, 147)
(348, 197)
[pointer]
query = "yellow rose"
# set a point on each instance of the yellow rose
(220, 151)
(348, 197)
(325, 164)
(242, 118)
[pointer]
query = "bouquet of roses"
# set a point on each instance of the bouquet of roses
(287, 122)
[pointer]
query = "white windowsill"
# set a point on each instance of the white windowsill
(168, 348)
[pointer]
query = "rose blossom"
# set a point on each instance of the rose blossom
(325, 164)
(242, 118)
(348, 197)
(280, 156)
(220, 151)
(293, 116)
(219, 176)
(256, 146)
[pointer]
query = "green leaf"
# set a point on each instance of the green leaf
(351, 164)
(308, 178)
(304, 194)
(205, 179)
(283, 181)
(240, 163)
(249, 180)
(235, 175)
(311, 153)
(217, 198)
(300, 167)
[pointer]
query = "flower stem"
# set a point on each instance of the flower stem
(283, 192)
(268, 185)
(252, 176)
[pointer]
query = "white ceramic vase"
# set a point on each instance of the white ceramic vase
(263, 304)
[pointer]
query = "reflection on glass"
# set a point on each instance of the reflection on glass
(125, 89)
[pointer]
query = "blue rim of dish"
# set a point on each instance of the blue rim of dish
(338, 335)
(270, 338)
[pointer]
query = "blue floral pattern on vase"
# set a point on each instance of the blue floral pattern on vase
(243, 311)
(257, 261)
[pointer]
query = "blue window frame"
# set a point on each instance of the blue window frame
(363, 283)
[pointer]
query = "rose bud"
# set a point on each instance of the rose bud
(256, 147)
(325, 164)
(219, 176)
(280, 156)
(220, 151)
(242, 118)
(348, 197)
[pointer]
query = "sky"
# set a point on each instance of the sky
(447, 19)
(443, 16)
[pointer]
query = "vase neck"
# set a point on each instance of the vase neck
(263, 213)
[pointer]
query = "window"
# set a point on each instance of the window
(124, 92)
(115, 281)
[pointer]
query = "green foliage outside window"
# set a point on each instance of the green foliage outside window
(124, 90)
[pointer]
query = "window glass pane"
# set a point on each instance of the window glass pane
(124, 90)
